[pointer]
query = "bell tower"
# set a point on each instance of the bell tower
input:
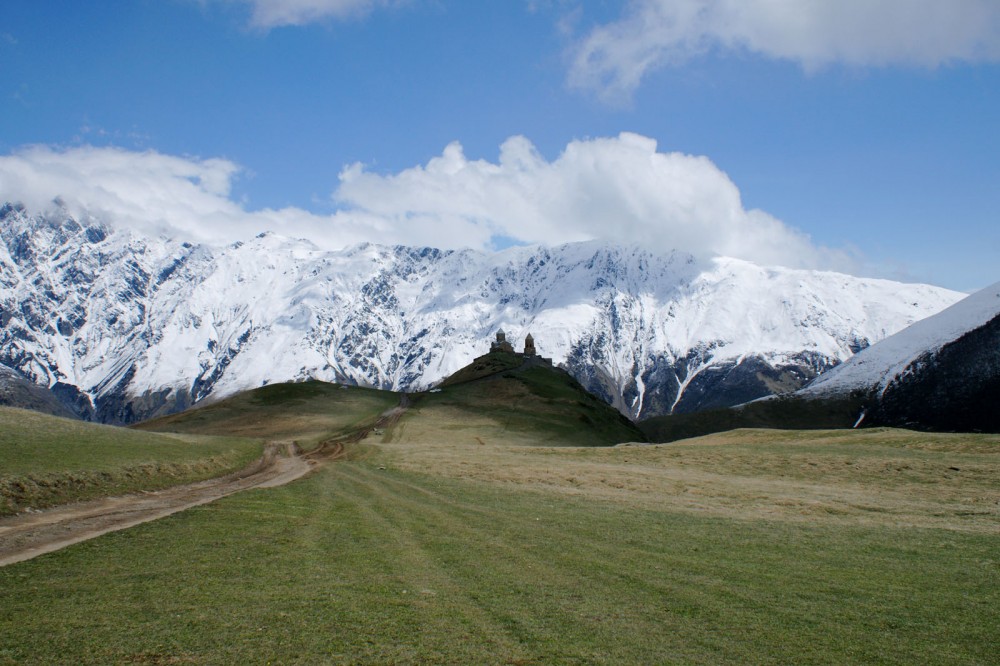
(529, 346)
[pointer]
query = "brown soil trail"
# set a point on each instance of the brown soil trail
(29, 535)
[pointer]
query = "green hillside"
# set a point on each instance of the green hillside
(500, 397)
(307, 412)
(506, 398)
(485, 366)
(47, 460)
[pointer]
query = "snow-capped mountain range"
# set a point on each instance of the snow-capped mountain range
(124, 326)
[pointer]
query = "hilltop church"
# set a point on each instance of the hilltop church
(502, 345)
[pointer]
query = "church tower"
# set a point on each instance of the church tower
(529, 346)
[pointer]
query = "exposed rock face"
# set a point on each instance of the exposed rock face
(124, 327)
(956, 388)
(16, 391)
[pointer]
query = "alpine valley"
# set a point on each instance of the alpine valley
(122, 327)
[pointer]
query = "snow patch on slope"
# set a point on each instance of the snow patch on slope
(878, 365)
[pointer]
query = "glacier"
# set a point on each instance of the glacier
(124, 326)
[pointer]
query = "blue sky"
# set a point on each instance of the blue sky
(859, 136)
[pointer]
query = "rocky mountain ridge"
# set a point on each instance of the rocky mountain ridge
(941, 373)
(123, 326)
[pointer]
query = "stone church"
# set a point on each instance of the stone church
(501, 344)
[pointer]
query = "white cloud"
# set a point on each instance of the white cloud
(275, 13)
(612, 59)
(149, 191)
(617, 188)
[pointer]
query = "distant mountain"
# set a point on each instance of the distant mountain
(941, 373)
(124, 326)
(16, 391)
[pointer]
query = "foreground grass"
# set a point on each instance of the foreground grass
(373, 560)
(47, 460)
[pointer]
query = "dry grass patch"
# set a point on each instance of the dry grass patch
(871, 477)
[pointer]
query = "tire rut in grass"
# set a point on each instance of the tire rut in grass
(30, 535)
(437, 596)
(494, 569)
(563, 562)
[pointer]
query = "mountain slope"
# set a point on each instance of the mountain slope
(942, 373)
(892, 358)
(124, 327)
(16, 391)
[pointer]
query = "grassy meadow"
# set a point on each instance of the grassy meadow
(47, 460)
(427, 546)
(873, 477)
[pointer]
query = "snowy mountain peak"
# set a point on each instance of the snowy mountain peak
(126, 326)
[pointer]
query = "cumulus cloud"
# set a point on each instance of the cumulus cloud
(619, 188)
(613, 58)
(276, 13)
(151, 192)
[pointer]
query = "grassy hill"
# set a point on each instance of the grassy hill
(781, 412)
(47, 460)
(504, 398)
(307, 412)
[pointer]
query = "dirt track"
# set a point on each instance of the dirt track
(29, 535)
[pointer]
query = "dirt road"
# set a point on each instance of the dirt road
(29, 535)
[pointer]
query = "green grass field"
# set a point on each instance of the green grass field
(453, 537)
(47, 460)
(358, 564)
(871, 477)
(745, 547)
